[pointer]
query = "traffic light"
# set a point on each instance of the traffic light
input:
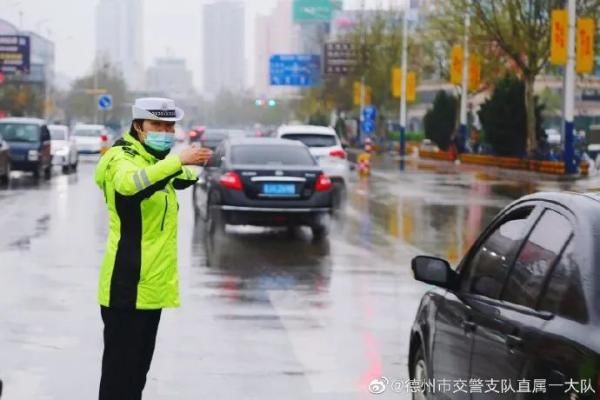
(264, 103)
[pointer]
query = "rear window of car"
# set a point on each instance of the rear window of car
(25, 133)
(271, 155)
(312, 139)
(87, 132)
(57, 133)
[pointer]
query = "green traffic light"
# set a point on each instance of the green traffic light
(272, 103)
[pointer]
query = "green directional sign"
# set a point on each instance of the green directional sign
(315, 10)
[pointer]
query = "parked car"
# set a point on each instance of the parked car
(326, 147)
(264, 182)
(522, 305)
(4, 162)
(29, 145)
(63, 148)
(92, 139)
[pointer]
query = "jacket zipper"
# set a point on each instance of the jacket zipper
(162, 225)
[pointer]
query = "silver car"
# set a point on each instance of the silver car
(63, 148)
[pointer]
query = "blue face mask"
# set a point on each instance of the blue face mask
(160, 141)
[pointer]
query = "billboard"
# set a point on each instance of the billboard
(15, 54)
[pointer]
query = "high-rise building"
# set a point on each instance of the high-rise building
(275, 34)
(224, 47)
(119, 38)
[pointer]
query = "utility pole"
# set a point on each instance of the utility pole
(362, 107)
(403, 79)
(463, 134)
(569, 103)
(95, 90)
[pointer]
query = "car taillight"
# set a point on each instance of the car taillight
(323, 183)
(339, 153)
(231, 180)
(104, 138)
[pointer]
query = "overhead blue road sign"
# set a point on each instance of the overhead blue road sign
(295, 70)
(105, 102)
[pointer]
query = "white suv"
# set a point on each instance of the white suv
(326, 147)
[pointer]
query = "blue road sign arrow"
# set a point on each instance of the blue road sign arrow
(105, 102)
(369, 113)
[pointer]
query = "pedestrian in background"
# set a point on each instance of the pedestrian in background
(139, 277)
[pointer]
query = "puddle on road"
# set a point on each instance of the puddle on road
(442, 216)
(248, 267)
(41, 227)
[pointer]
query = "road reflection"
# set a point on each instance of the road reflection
(252, 264)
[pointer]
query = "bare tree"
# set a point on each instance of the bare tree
(516, 29)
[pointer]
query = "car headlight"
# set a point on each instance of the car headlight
(33, 155)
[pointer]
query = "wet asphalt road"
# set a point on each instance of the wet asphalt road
(265, 314)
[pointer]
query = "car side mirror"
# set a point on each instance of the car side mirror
(434, 271)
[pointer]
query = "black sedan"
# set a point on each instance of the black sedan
(522, 310)
(264, 182)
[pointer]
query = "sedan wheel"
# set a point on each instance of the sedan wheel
(420, 375)
(214, 221)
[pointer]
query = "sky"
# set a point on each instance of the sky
(174, 30)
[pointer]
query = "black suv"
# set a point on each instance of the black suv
(29, 145)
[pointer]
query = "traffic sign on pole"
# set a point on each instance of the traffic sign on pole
(369, 115)
(105, 102)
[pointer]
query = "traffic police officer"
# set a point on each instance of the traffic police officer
(138, 277)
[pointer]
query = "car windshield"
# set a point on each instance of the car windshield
(271, 155)
(87, 132)
(312, 139)
(26, 133)
(58, 133)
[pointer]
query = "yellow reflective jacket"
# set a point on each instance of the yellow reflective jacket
(139, 270)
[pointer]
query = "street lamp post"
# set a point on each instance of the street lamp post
(463, 134)
(403, 79)
(569, 103)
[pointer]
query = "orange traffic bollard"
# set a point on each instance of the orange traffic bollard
(364, 164)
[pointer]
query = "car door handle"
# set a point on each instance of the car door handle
(469, 326)
(514, 341)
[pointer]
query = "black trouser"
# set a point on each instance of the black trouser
(129, 338)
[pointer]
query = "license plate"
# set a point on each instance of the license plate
(278, 189)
